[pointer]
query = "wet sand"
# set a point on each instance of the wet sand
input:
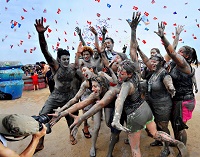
(57, 143)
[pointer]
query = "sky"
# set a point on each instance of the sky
(19, 38)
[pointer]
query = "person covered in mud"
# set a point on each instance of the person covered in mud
(100, 85)
(64, 75)
(160, 90)
(108, 110)
(85, 56)
(139, 114)
(181, 72)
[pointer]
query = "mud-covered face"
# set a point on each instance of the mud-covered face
(155, 63)
(96, 88)
(87, 73)
(117, 59)
(153, 52)
(64, 60)
(86, 56)
(109, 44)
(122, 74)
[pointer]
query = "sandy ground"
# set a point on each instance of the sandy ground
(57, 143)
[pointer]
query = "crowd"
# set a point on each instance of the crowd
(102, 79)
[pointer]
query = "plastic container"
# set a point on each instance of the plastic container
(9, 74)
(15, 88)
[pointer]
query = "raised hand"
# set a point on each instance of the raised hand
(93, 30)
(80, 48)
(120, 127)
(103, 30)
(161, 28)
(39, 25)
(78, 30)
(179, 29)
(135, 20)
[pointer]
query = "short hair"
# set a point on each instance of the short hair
(42, 62)
(109, 38)
(61, 52)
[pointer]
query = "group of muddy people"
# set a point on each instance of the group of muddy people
(104, 82)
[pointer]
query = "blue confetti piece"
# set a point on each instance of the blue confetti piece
(12, 26)
(19, 25)
(174, 12)
(108, 5)
(146, 29)
(121, 6)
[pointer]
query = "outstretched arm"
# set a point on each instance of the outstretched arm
(80, 105)
(119, 104)
(43, 44)
(29, 151)
(107, 99)
(78, 30)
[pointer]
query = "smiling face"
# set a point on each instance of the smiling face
(86, 56)
(96, 87)
(64, 60)
(155, 63)
(87, 73)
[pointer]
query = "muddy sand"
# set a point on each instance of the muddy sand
(57, 143)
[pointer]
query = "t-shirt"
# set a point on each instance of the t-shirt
(3, 140)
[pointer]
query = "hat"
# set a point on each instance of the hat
(18, 125)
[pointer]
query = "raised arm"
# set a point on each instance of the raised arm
(43, 44)
(144, 58)
(178, 29)
(133, 43)
(177, 58)
(78, 30)
(78, 55)
(93, 30)
(103, 31)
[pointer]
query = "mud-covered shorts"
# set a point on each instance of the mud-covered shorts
(138, 119)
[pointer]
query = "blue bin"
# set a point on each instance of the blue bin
(15, 88)
(10, 74)
(11, 78)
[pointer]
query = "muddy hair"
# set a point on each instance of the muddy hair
(87, 48)
(129, 66)
(160, 58)
(92, 67)
(122, 55)
(192, 55)
(61, 52)
(157, 50)
(103, 82)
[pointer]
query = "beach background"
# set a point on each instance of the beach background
(57, 143)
